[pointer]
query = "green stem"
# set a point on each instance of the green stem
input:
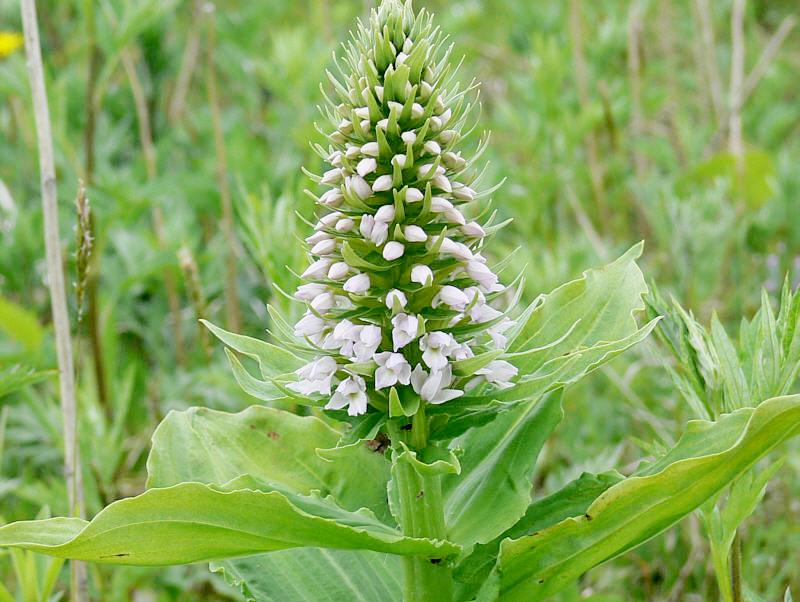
(421, 515)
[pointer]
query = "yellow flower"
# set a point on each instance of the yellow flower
(9, 42)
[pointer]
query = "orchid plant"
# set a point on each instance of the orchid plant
(429, 393)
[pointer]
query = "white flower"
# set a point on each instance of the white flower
(480, 272)
(385, 214)
(414, 195)
(307, 292)
(310, 326)
(433, 387)
(351, 392)
(359, 187)
(370, 149)
(496, 332)
(315, 377)
(366, 166)
(399, 161)
(382, 183)
(323, 302)
(414, 234)
(462, 192)
(473, 229)
(393, 250)
(463, 352)
(436, 348)
(369, 339)
(421, 274)
(324, 247)
(344, 337)
(404, 330)
(332, 197)
(361, 112)
(318, 236)
(456, 249)
(328, 220)
(379, 92)
(373, 230)
(338, 270)
(409, 137)
(432, 147)
(417, 111)
(332, 176)
(447, 136)
(392, 369)
(316, 270)
(442, 183)
(345, 225)
(395, 299)
(452, 297)
(357, 284)
(498, 372)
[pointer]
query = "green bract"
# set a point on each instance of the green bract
(423, 489)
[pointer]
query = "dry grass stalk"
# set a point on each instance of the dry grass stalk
(232, 311)
(582, 82)
(191, 277)
(55, 277)
(735, 144)
(635, 75)
(708, 55)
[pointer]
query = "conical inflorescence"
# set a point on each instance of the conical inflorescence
(398, 292)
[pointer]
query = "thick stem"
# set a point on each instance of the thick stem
(421, 515)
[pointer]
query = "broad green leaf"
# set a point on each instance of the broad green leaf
(272, 359)
(193, 522)
(271, 445)
(571, 500)
(596, 308)
(315, 575)
(640, 507)
(494, 487)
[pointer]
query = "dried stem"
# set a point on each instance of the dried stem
(55, 276)
(735, 144)
(149, 152)
(582, 82)
(708, 55)
(191, 54)
(191, 277)
(232, 312)
(635, 75)
(666, 40)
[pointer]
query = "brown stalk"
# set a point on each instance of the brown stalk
(708, 55)
(635, 76)
(596, 172)
(189, 60)
(232, 312)
(735, 143)
(55, 278)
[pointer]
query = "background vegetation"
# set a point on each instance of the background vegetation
(612, 122)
